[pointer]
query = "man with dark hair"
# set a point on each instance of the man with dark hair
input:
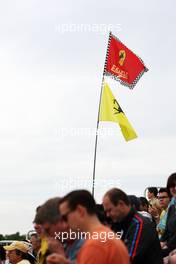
(171, 184)
(78, 209)
(48, 217)
(164, 200)
(139, 234)
(81, 197)
(56, 232)
(168, 239)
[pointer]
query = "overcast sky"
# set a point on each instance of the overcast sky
(51, 62)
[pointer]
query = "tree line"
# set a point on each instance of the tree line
(15, 236)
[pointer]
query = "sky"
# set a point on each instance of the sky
(52, 56)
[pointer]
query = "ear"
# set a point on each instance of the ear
(81, 210)
(121, 203)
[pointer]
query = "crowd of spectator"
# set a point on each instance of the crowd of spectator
(123, 229)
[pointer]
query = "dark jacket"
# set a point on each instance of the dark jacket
(169, 235)
(141, 239)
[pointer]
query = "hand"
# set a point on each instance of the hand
(55, 246)
(57, 259)
(163, 244)
(154, 212)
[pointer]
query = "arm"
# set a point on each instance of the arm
(140, 237)
(55, 246)
(56, 258)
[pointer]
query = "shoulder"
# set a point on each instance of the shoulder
(138, 219)
(140, 223)
(145, 214)
(24, 261)
(104, 252)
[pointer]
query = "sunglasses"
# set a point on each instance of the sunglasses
(162, 197)
(64, 217)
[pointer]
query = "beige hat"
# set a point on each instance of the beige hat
(21, 246)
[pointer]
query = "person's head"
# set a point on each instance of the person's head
(116, 204)
(76, 208)
(38, 229)
(163, 197)
(134, 201)
(152, 192)
(144, 204)
(35, 241)
(171, 184)
(49, 217)
(17, 251)
(101, 214)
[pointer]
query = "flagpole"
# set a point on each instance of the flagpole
(96, 138)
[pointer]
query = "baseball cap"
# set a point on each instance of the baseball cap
(21, 246)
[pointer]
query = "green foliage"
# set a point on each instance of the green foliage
(15, 236)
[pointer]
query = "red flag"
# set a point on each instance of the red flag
(122, 64)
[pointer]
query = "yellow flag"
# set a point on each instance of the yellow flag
(110, 110)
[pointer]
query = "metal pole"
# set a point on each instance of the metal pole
(96, 138)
